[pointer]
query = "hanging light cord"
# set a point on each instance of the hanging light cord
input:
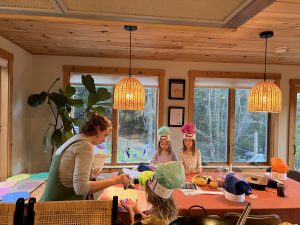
(266, 47)
(130, 54)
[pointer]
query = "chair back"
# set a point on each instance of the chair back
(76, 212)
(293, 174)
(12, 213)
(271, 219)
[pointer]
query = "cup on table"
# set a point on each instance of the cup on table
(280, 189)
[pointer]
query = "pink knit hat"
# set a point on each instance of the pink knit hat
(189, 131)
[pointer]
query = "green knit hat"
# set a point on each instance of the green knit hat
(167, 177)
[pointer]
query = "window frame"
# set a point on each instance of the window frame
(7, 153)
(68, 69)
(273, 119)
(294, 89)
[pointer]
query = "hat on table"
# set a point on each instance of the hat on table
(164, 133)
(235, 189)
(189, 131)
(168, 176)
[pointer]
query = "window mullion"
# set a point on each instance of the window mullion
(231, 113)
(114, 150)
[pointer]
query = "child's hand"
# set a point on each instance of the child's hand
(128, 204)
(96, 172)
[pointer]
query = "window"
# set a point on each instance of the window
(294, 126)
(133, 138)
(226, 132)
(6, 66)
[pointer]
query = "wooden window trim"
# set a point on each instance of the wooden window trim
(294, 88)
(160, 73)
(273, 119)
(10, 58)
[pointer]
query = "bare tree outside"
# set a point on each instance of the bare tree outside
(211, 107)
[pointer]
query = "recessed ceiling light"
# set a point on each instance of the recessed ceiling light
(281, 50)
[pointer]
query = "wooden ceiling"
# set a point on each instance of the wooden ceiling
(53, 35)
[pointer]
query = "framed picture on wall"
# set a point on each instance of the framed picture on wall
(176, 116)
(176, 89)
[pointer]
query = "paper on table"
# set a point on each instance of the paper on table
(40, 175)
(28, 185)
(18, 177)
(7, 184)
(3, 191)
(128, 193)
(132, 173)
(200, 192)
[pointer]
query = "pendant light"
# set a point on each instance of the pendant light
(265, 96)
(129, 93)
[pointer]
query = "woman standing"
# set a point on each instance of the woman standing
(71, 165)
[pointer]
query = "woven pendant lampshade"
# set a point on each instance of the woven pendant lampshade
(265, 96)
(129, 93)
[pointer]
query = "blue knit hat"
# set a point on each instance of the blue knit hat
(235, 189)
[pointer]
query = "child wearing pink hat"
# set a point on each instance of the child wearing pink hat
(189, 155)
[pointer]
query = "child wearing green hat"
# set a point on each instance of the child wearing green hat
(164, 151)
(159, 189)
(189, 155)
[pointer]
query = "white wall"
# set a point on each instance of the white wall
(47, 68)
(22, 74)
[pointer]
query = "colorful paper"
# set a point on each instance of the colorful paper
(3, 191)
(27, 185)
(135, 195)
(13, 197)
(18, 177)
(7, 184)
(41, 175)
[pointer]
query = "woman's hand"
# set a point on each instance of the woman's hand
(123, 179)
(96, 172)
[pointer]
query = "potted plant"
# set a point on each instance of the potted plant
(62, 125)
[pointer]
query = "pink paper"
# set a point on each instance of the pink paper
(3, 191)
(7, 184)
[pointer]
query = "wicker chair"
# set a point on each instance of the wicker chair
(12, 214)
(75, 212)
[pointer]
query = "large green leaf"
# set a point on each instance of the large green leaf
(61, 91)
(56, 138)
(76, 102)
(68, 108)
(37, 99)
(79, 122)
(88, 82)
(58, 99)
(70, 91)
(46, 139)
(99, 109)
(92, 99)
(103, 94)
(68, 134)
(67, 122)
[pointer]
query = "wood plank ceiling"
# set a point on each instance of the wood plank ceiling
(51, 35)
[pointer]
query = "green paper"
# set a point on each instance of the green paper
(40, 175)
(18, 177)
